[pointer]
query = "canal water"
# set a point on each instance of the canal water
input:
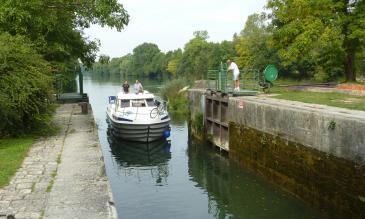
(179, 178)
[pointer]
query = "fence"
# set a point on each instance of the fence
(220, 80)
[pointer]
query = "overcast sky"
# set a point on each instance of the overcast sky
(171, 23)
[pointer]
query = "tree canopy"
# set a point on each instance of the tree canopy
(40, 39)
(321, 40)
(56, 26)
(322, 33)
(254, 51)
(193, 61)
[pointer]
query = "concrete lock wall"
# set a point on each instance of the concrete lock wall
(196, 99)
(314, 152)
(339, 132)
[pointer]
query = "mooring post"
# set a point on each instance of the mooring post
(81, 83)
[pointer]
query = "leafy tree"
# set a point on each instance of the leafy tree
(173, 59)
(324, 33)
(115, 67)
(361, 65)
(201, 34)
(148, 61)
(126, 65)
(252, 46)
(143, 57)
(194, 61)
(220, 52)
(56, 26)
(25, 85)
(104, 59)
(39, 38)
(158, 65)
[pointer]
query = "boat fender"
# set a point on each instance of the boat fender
(166, 133)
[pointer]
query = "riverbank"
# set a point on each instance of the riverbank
(63, 176)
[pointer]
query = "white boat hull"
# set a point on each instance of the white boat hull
(140, 133)
(132, 117)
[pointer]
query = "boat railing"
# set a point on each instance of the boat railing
(136, 113)
(154, 112)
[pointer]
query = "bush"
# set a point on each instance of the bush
(198, 123)
(177, 101)
(25, 86)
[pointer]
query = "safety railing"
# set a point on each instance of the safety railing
(251, 80)
(220, 80)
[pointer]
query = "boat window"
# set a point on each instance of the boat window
(150, 102)
(124, 103)
(138, 103)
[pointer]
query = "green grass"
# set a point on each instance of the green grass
(33, 186)
(329, 99)
(282, 81)
(58, 160)
(12, 154)
(50, 184)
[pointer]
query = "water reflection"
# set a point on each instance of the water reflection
(181, 181)
(234, 192)
(178, 118)
(137, 157)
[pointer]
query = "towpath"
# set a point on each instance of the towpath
(63, 176)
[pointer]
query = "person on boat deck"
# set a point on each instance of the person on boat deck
(138, 87)
(236, 73)
(125, 87)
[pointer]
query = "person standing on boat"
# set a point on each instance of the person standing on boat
(138, 87)
(236, 73)
(125, 87)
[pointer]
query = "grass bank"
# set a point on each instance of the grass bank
(329, 99)
(12, 154)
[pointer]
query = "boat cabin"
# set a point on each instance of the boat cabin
(144, 99)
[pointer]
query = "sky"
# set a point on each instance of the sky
(170, 23)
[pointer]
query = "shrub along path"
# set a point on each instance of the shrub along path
(62, 176)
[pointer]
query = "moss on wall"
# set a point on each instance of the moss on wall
(196, 126)
(328, 183)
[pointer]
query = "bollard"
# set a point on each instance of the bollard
(84, 107)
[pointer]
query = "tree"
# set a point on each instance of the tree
(126, 65)
(56, 26)
(25, 85)
(173, 60)
(252, 46)
(194, 61)
(220, 52)
(143, 57)
(104, 59)
(201, 34)
(114, 66)
(148, 61)
(326, 33)
(158, 65)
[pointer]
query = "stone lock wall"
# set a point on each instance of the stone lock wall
(315, 153)
(196, 98)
